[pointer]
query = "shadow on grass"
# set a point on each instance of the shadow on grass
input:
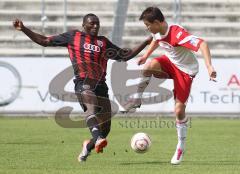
(24, 143)
(221, 163)
(142, 162)
(185, 163)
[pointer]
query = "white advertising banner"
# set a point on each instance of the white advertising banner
(25, 84)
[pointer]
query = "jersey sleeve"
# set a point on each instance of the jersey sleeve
(154, 36)
(61, 39)
(185, 39)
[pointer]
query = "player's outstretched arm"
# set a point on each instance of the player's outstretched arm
(133, 52)
(153, 45)
(37, 38)
(207, 58)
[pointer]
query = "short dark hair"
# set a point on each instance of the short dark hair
(152, 13)
(89, 15)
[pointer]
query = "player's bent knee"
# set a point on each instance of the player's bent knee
(91, 120)
(155, 64)
(156, 67)
(147, 70)
(152, 68)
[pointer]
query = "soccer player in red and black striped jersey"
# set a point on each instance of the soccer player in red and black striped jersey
(89, 54)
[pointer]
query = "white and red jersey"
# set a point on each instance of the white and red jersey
(178, 45)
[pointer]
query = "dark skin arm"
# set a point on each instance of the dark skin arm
(35, 37)
(128, 54)
(125, 54)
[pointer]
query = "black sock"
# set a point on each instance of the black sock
(93, 127)
(90, 145)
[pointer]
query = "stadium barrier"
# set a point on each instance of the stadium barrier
(27, 81)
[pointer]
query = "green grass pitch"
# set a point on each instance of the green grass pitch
(30, 146)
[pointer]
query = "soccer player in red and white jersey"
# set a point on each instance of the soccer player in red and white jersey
(178, 63)
(89, 54)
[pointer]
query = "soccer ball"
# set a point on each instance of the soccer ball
(140, 142)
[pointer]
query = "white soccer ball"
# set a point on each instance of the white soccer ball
(140, 142)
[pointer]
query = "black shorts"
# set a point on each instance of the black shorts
(99, 88)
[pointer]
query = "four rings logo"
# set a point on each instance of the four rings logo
(90, 47)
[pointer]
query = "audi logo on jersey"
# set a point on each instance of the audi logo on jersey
(90, 47)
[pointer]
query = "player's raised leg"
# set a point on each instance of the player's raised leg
(152, 68)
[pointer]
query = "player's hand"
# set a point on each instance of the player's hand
(212, 73)
(18, 25)
(141, 60)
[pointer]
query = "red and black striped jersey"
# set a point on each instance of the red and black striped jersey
(89, 54)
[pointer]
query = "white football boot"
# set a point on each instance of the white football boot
(131, 105)
(85, 153)
(177, 157)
